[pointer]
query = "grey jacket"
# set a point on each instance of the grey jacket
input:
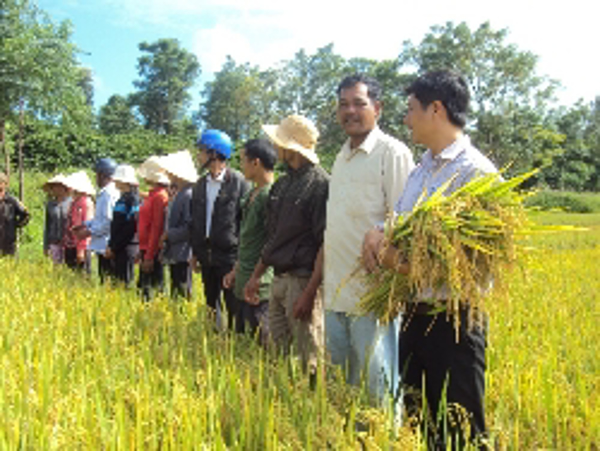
(177, 248)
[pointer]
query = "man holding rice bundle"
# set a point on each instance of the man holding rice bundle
(434, 356)
(367, 179)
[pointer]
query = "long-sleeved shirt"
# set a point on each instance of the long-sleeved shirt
(82, 209)
(152, 221)
(123, 227)
(99, 226)
(365, 185)
(13, 215)
(177, 247)
(296, 211)
(460, 160)
(56, 221)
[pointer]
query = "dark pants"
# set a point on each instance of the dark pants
(124, 265)
(429, 349)
(181, 280)
(71, 260)
(212, 279)
(254, 319)
(106, 268)
(149, 282)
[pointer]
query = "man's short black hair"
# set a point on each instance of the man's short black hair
(263, 150)
(449, 88)
(373, 86)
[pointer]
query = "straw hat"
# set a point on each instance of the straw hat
(181, 165)
(79, 181)
(58, 179)
(295, 133)
(125, 174)
(152, 171)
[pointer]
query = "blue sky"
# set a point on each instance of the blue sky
(265, 32)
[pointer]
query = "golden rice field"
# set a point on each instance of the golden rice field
(88, 367)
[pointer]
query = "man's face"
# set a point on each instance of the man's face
(356, 112)
(246, 165)
(419, 120)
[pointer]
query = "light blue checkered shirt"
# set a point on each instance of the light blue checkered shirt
(459, 160)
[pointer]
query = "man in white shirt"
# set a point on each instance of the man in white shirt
(99, 226)
(367, 178)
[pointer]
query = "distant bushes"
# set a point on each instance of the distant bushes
(566, 200)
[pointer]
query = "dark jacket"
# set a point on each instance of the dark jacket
(56, 221)
(179, 218)
(296, 220)
(13, 215)
(123, 227)
(220, 248)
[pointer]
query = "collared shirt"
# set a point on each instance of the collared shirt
(296, 211)
(213, 186)
(365, 184)
(460, 161)
(99, 226)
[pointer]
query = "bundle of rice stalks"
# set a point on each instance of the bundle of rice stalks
(455, 245)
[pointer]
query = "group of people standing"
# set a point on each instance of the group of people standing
(279, 257)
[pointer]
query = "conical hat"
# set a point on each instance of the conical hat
(79, 181)
(58, 179)
(152, 171)
(181, 165)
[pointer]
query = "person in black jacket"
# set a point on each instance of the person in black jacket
(123, 242)
(13, 215)
(215, 226)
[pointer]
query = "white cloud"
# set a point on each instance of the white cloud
(264, 32)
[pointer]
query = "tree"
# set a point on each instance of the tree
(117, 116)
(234, 101)
(509, 99)
(39, 72)
(167, 72)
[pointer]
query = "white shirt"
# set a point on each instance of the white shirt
(213, 186)
(99, 225)
(365, 184)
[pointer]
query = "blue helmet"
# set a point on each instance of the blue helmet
(216, 140)
(105, 166)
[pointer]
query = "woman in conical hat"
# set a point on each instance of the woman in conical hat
(151, 226)
(77, 254)
(57, 210)
(176, 246)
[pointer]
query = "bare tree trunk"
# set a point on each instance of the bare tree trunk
(4, 147)
(21, 142)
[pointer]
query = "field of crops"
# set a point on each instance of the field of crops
(88, 367)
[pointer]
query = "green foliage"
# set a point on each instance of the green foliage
(166, 71)
(509, 98)
(566, 201)
(117, 116)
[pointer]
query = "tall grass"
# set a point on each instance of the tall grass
(89, 367)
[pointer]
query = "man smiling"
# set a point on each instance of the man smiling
(367, 178)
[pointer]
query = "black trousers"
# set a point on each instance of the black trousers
(212, 279)
(124, 266)
(429, 350)
(150, 282)
(181, 280)
(254, 319)
(71, 260)
(106, 268)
